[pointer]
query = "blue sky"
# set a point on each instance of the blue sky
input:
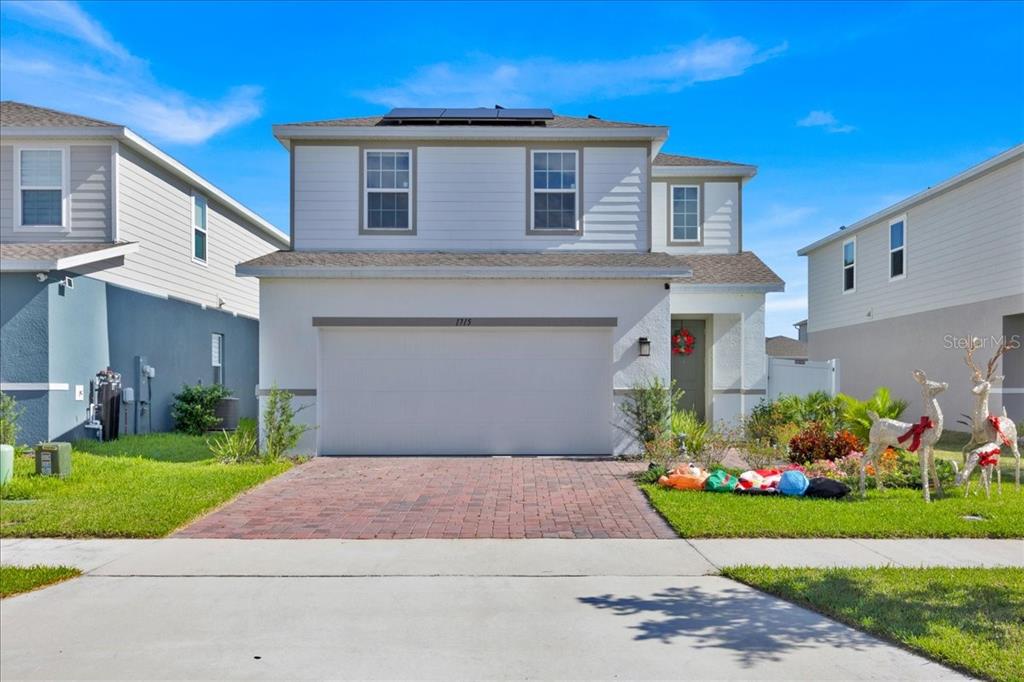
(845, 108)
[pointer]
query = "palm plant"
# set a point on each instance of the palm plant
(855, 412)
(691, 432)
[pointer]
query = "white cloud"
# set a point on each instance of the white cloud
(69, 19)
(485, 81)
(97, 76)
(826, 120)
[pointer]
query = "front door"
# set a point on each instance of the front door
(688, 370)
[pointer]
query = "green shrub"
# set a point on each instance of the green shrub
(764, 419)
(855, 412)
(193, 408)
(690, 431)
(280, 432)
(240, 445)
(815, 442)
(651, 474)
(907, 472)
(647, 409)
(10, 412)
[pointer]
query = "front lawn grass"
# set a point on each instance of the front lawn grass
(893, 513)
(18, 579)
(968, 618)
(135, 487)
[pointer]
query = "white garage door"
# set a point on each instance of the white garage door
(461, 391)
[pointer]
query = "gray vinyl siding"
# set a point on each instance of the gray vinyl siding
(471, 198)
(155, 209)
(6, 190)
(964, 246)
(90, 192)
(90, 185)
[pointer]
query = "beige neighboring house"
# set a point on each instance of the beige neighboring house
(910, 285)
(785, 347)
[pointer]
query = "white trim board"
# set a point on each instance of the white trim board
(15, 386)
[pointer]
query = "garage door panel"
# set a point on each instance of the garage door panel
(463, 391)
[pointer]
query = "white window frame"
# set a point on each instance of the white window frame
(392, 190)
(65, 188)
(844, 266)
(672, 216)
(193, 228)
(890, 250)
(217, 362)
(534, 230)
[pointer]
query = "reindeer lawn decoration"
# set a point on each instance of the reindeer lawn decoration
(920, 437)
(986, 458)
(989, 428)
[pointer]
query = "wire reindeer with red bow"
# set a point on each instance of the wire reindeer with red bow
(988, 430)
(920, 437)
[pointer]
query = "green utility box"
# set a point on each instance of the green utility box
(53, 459)
(6, 463)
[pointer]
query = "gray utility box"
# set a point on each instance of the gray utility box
(53, 459)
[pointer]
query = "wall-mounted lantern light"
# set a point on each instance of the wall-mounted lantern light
(645, 347)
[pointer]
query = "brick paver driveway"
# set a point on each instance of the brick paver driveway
(441, 497)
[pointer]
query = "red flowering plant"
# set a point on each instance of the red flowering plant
(683, 342)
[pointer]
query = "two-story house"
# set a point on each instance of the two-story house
(908, 287)
(494, 281)
(113, 254)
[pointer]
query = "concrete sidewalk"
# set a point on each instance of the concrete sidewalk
(423, 609)
(197, 557)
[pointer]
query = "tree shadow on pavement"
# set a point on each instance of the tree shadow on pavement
(756, 627)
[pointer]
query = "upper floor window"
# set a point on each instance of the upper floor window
(685, 213)
(41, 184)
(898, 247)
(388, 190)
(555, 190)
(199, 228)
(849, 264)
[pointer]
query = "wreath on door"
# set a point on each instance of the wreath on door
(683, 342)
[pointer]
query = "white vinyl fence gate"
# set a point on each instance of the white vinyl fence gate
(800, 377)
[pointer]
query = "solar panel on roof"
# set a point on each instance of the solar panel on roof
(526, 114)
(476, 114)
(409, 112)
(481, 115)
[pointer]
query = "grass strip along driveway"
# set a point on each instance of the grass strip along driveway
(18, 579)
(134, 487)
(968, 618)
(893, 513)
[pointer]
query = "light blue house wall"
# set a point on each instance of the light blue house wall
(52, 334)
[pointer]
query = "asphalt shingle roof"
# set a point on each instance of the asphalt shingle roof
(679, 160)
(785, 347)
(50, 250)
(737, 268)
(19, 115)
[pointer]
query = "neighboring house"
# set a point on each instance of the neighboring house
(785, 347)
(801, 330)
(495, 281)
(114, 254)
(909, 286)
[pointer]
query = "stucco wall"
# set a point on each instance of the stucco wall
(78, 349)
(288, 341)
(884, 352)
(52, 334)
(175, 338)
(24, 350)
